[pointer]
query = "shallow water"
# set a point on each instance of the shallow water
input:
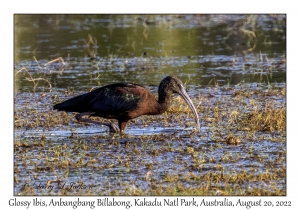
(147, 153)
(199, 49)
(211, 54)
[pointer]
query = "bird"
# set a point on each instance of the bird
(125, 101)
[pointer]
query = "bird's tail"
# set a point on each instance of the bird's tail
(76, 104)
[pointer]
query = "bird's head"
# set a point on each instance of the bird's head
(171, 85)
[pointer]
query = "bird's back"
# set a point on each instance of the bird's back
(108, 101)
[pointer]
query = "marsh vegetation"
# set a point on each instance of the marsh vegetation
(233, 68)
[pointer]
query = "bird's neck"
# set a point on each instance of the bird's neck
(164, 100)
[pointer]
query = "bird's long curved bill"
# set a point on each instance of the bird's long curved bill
(187, 99)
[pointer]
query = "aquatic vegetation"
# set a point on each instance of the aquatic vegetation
(232, 66)
(239, 151)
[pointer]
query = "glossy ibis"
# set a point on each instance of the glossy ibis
(125, 101)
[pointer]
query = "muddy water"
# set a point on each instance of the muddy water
(216, 56)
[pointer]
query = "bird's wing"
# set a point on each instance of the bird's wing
(116, 98)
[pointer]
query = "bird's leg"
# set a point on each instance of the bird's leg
(122, 125)
(113, 128)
